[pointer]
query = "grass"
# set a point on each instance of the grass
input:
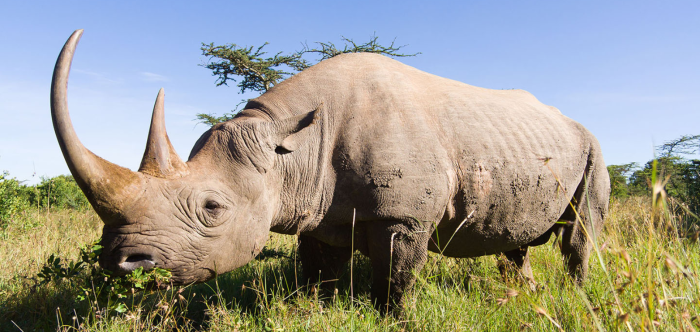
(647, 281)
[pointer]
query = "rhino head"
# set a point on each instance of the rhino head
(198, 218)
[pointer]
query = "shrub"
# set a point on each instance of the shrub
(13, 198)
(60, 192)
(681, 180)
(619, 174)
(99, 285)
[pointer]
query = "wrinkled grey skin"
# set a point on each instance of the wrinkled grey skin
(422, 160)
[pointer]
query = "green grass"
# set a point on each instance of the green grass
(649, 282)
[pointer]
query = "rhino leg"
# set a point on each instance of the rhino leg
(591, 204)
(518, 260)
(320, 262)
(398, 252)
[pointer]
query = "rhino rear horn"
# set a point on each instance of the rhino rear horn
(107, 186)
(160, 158)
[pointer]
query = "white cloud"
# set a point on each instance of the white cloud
(99, 77)
(152, 77)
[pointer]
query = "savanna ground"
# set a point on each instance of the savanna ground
(644, 276)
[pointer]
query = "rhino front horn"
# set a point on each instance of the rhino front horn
(160, 159)
(107, 186)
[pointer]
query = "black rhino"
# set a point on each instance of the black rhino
(424, 160)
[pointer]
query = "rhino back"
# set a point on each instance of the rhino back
(406, 144)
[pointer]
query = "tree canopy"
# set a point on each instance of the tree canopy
(253, 70)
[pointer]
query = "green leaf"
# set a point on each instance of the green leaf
(120, 308)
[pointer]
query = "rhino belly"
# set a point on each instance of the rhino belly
(487, 237)
(500, 208)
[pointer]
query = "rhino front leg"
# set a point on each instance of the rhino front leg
(518, 261)
(320, 262)
(398, 252)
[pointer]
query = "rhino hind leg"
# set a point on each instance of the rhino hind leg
(591, 204)
(398, 252)
(320, 262)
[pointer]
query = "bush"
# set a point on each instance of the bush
(619, 174)
(13, 197)
(99, 285)
(681, 180)
(60, 192)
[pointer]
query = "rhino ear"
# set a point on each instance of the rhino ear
(290, 133)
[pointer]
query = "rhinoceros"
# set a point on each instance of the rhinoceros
(359, 146)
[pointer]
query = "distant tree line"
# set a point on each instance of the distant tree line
(680, 174)
(60, 192)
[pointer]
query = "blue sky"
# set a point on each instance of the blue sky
(627, 70)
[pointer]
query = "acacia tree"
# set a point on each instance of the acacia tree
(688, 171)
(686, 144)
(253, 70)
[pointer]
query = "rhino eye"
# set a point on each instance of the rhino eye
(212, 209)
(212, 206)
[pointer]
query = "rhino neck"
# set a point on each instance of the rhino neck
(305, 185)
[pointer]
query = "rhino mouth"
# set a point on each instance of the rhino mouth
(122, 257)
(124, 261)
(135, 261)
